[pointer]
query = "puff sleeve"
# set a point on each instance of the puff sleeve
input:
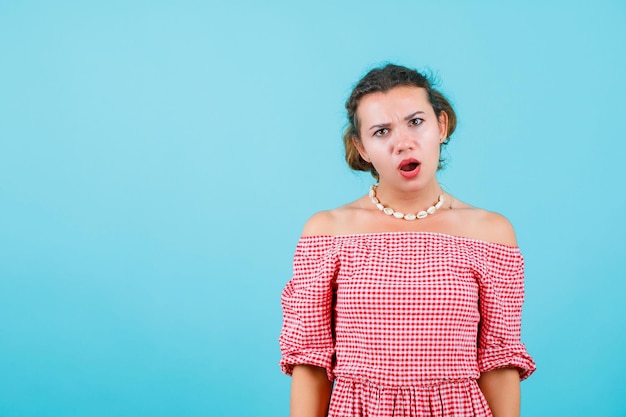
(307, 302)
(501, 298)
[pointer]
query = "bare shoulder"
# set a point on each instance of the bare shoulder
(333, 222)
(482, 224)
(493, 227)
(320, 224)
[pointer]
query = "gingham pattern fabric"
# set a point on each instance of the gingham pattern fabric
(404, 321)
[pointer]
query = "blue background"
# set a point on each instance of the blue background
(158, 160)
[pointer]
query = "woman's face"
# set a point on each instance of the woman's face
(401, 135)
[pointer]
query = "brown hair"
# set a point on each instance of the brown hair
(382, 80)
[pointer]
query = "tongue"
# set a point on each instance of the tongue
(409, 167)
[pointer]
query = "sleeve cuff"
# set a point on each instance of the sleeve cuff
(515, 356)
(320, 359)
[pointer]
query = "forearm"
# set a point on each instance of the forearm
(501, 388)
(310, 391)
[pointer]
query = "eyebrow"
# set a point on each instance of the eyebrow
(407, 118)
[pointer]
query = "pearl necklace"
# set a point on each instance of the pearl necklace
(398, 215)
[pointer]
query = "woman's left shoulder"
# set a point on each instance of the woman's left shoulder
(487, 225)
(497, 228)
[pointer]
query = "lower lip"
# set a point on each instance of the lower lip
(411, 174)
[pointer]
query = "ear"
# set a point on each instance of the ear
(359, 146)
(443, 126)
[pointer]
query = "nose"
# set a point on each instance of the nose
(403, 143)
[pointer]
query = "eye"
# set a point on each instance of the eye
(416, 122)
(381, 132)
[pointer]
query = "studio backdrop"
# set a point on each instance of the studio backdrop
(159, 159)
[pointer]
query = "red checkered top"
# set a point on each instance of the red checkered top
(400, 317)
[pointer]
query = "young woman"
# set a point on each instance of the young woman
(407, 298)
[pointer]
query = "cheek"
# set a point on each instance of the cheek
(373, 147)
(434, 149)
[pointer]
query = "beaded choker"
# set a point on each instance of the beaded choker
(398, 215)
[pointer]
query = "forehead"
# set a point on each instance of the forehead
(397, 102)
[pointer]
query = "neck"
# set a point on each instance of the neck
(407, 200)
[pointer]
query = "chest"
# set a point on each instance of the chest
(414, 283)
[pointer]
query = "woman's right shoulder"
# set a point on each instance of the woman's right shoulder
(338, 221)
(320, 224)
(330, 222)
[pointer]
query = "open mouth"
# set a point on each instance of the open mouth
(409, 168)
(409, 165)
